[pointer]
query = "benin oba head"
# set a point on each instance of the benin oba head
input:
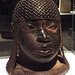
(37, 23)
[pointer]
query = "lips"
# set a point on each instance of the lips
(44, 51)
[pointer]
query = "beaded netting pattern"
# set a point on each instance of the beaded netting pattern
(35, 9)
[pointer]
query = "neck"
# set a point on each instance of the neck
(31, 65)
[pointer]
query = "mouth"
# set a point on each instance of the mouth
(44, 51)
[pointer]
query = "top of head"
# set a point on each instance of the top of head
(35, 10)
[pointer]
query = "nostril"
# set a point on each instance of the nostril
(43, 40)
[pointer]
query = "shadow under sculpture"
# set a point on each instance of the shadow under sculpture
(38, 48)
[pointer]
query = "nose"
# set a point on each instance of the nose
(43, 37)
(43, 40)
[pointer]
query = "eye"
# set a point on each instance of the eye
(53, 27)
(31, 26)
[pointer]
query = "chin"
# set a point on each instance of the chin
(44, 59)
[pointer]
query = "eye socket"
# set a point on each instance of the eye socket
(52, 27)
(31, 26)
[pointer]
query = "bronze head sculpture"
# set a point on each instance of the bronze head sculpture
(38, 40)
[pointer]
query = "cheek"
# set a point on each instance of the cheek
(57, 36)
(57, 41)
(28, 40)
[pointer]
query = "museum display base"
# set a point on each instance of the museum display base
(70, 57)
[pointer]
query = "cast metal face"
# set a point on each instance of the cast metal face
(39, 39)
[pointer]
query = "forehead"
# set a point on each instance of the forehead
(41, 22)
(37, 23)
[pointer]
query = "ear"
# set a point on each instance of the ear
(60, 36)
(61, 43)
(13, 57)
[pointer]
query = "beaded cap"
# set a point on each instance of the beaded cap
(35, 9)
